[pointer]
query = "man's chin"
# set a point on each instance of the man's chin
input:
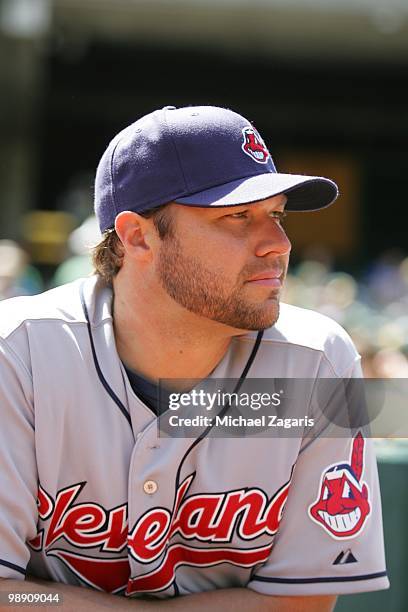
(258, 322)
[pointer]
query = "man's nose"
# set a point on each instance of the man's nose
(272, 238)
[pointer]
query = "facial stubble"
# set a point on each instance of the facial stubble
(203, 291)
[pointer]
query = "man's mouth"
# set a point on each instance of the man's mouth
(341, 522)
(268, 282)
(268, 279)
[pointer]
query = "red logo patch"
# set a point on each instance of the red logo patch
(343, 503)
(254, 146)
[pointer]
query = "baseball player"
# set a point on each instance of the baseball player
(187, 283)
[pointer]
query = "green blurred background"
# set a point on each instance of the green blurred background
(324, 82)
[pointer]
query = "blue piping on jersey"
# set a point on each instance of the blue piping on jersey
(12, 566)
(323, 579)
(103, 380)
(225, 408)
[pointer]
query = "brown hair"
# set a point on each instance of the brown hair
(107, 255)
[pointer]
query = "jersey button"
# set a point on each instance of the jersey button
(150, 487)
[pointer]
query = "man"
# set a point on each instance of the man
(189, 273)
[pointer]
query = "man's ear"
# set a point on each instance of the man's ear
(135, 233)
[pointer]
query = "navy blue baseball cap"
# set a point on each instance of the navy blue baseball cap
(197, 156)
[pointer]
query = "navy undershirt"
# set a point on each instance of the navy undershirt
(147, 391)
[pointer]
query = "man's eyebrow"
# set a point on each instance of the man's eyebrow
(229, 209)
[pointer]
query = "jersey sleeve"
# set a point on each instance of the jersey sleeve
(330, 539)
(18, 472)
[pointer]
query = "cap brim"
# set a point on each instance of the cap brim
(303, 192)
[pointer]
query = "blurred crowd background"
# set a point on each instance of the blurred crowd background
(323, 81)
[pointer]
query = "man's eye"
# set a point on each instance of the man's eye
(239, 215)
(278, 214)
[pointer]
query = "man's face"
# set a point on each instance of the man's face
(227, 264)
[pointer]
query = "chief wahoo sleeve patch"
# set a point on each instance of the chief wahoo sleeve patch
(343, 502)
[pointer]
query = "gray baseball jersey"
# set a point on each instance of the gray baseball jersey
(90, 494)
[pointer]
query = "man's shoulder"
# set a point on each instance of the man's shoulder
(304, 332)
(59, 304)
(307, 328)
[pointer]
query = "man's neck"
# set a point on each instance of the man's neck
(163, 340)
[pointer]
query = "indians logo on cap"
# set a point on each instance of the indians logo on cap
(254, 146)
(343, 503)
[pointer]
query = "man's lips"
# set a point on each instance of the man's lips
(268, 279)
